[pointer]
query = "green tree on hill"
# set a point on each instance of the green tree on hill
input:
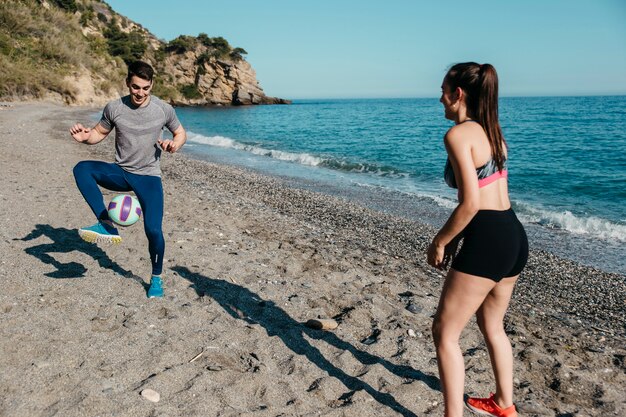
(128, 46)
(238, 53)
(181, 44)
(218, 47)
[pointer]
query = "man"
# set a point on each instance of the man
(138, 119)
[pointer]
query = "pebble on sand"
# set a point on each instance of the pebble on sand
(151, 395)
(322, 324)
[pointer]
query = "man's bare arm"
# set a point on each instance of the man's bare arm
(89, 136)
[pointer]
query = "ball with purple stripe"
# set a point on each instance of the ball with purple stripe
(124, 209)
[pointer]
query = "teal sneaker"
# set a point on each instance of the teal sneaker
(156, 287)
(100, 232)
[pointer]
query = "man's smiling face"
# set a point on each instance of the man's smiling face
(139, 90)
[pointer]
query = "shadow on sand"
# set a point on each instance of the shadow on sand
(243, 304)
(66, 241)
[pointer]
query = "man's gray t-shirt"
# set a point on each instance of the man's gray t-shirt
(137, 130)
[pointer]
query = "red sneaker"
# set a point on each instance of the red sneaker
(488, 407)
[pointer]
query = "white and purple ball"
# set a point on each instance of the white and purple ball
(124, 210)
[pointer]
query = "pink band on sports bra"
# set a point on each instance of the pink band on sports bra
(493, 177)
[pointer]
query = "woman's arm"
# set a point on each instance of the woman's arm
(460, 154)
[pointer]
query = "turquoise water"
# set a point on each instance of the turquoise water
(567, 168)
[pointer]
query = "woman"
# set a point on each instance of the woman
(495, 249)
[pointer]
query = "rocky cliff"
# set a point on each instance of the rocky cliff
(76, 51)
(206, 79)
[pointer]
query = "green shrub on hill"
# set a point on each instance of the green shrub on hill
(69, 5)
(238, 53)
(220, 48)
(164, 91)
(181, 44)
(190, 91)
(6, 45)
(46, 46)
(203, 58)
(87, 16)
(129, 46)
(220, 44)
(40, 47)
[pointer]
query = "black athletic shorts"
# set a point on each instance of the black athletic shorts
(494, 246)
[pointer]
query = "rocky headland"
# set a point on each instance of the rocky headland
(76, 51)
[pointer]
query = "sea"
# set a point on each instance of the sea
(567, 161)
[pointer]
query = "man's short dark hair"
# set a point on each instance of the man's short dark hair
(140, 69)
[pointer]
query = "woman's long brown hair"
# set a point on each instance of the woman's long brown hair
(480, 84)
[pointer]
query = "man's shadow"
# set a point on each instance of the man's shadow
(243, 304)
(65, 241)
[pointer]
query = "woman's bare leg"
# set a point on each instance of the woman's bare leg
(461, 297)
(490, 318)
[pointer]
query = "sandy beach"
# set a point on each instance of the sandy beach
(248, 261)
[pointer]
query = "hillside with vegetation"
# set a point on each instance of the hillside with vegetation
(76, 51)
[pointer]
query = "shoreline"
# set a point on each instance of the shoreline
(574, 220)
(248, 258)
(408, 240)
(562, 244)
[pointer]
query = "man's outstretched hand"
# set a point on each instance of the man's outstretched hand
(80, 133)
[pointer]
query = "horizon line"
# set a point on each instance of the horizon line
(436, 97)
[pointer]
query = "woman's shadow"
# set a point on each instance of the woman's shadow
(243, 304)
(66, 241)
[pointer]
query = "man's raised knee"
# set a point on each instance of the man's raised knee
(79, 167)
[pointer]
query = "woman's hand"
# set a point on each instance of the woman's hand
(435, 255)
(450, 251)
(439, 255)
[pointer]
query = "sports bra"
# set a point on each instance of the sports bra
(487, 173)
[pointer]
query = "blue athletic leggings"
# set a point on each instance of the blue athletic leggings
(147, 188)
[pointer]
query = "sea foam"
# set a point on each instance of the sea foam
(225, 142)
(566, 220)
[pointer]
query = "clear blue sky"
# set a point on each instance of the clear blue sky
(401, 48)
